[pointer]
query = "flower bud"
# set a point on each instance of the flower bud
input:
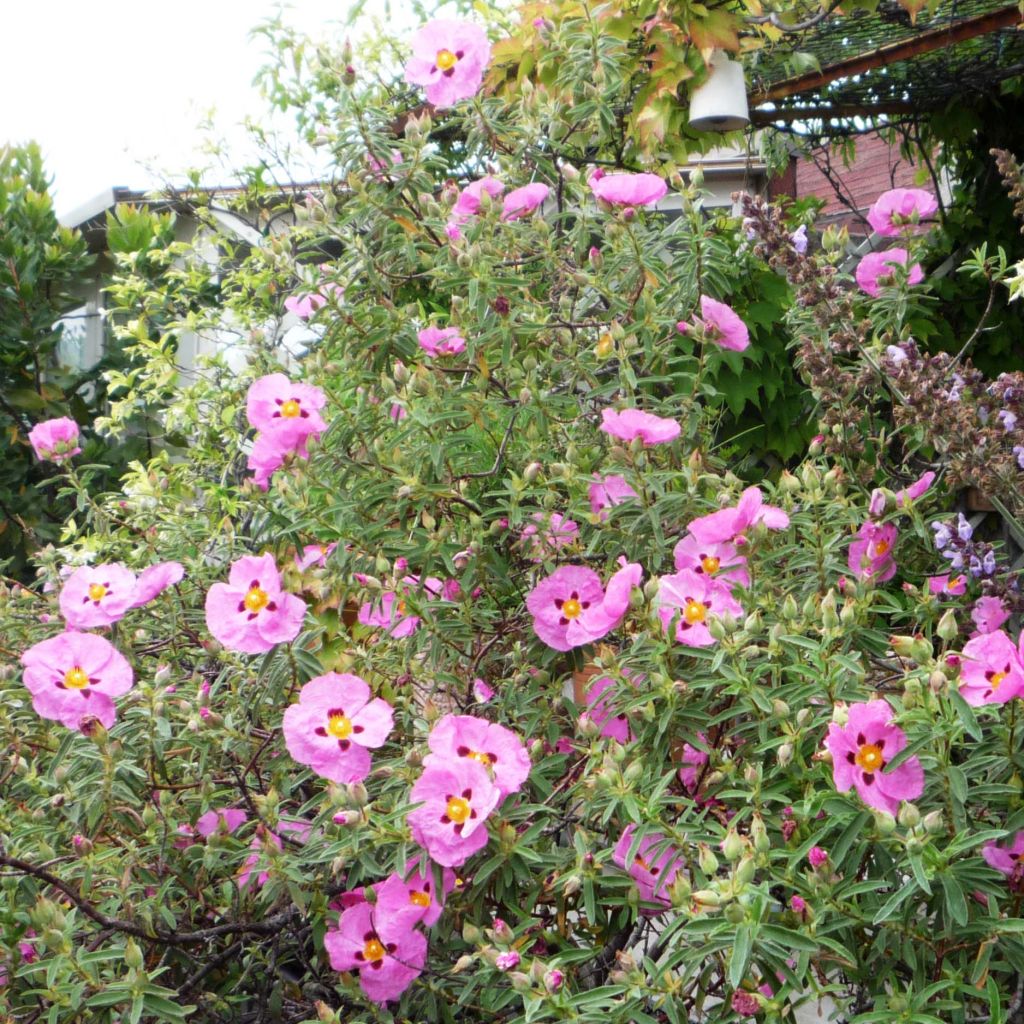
(933, 822)
(947, 627)
(789, 608)
(909, 816)
(780, 708)
(803, 716)
(735, 913)
(471, 934)
(132, 954)
(356, 793)
(885, 822)
(745, 870)
(732, 846)
(716, 628)
(788, 483)
(706, 859)
(707, 898)
(531, 472)
(553, 980)
(829, 618)
(463, 963)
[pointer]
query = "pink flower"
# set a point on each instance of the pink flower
(746, 1004)
(305, 304)
(397, 412)
(553, 980)
(628, 189)
(267, 457)
(898, 207)
(797, 904)
(455, 797)
(560, 599)
(729, 523)
(954, 585)
(989, 613)
(285, 411)
(392, 612)
(436, 341)
(547, 535)
(507, 961)
(469, 199)
(719, 560)
(386, 950)
(482, 693)
(55, 440)
(380, 168)
(314, 554)
(448, 59)
(874, 271)
(860, 751)
(101, 595)
(414, 894)
(334, 725)
(607, 491)
(265, 844)
(693, 761)
(75, 676)
(1003, 858)
(154, 580)
(993, 669)
(653, 867)
(251, 613)
(817, 857)
(906, 495)
(613, 726)
(870, 555)
(523, 201)
(603, 616)
(631, 423)
(499, 750)
(226, 820)
(720, 325)
(692, 599)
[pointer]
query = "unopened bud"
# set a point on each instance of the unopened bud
(132, 954)
(531, 472)
(885, 822)
(947, 627)
(789, 607)
(910, 816)
(732, 846)
(706, 859)
(784, 754)
(933, 821)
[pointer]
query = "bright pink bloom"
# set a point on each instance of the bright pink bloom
(305, 304)
(499, 750)
(860, 751)
(693, 599)
(523, 201)
(875, 271)
(989, 613)
(906, 495)
(746, 1004)
(630, 423)
(415, 893)
(613, 726)
(720, 560)
(894, 209)
(436, 341)
(601, 617)
(653, 867)
(380, 168)
(154, 580)
(448, 59)
(335, 724)
(227, 820)
(386, 950)
(398, 412)
(953, 585)
(314, 554)
(55, 440)
(287, 412)
(267, 457)
(720, 325)
(607, 491)
(547, 535)
(817, 857)
(75, 676)
(392, 612)
(992, 671)
(561, 598)
(693, 761)
(469, 199)
(1005, 858)
(870, 556)
(264, 845)
(482, 693)
(797, 904)
(729, 523)
(97, 595)
(251, 613)
(628, 189)
(455, 797)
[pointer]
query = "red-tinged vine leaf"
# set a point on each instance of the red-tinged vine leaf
(718, 31)
(651, 121)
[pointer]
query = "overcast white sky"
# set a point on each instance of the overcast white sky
(104, 84)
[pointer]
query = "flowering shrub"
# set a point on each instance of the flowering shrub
(495, 694)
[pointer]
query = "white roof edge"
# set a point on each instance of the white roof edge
(87, 210)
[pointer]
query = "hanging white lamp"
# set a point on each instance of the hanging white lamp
(720, 104)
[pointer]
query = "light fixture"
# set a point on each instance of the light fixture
(720, 104)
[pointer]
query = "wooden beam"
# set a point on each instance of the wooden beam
(834, 110)
(925, 42)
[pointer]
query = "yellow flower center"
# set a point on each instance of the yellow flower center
(997, 679)
(445, 60)
(694, 612)
(484, 759)
(457, 809)
(420, 899)
(400, 607)
(290, 409)
(340, 727)
(373, 951)
(869, 757)
(97, 591)
(571, 609)
(953, 582)
(256, 600)
(76, 678)
(881, 548)
(710, 564)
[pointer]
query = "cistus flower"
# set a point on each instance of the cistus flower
(875, 270)
(314, 555)
(438, 341)
(730, 523)
(719, 560)
(224, 820)
(817, 857)
(76, 676)
(286, 412)
(386, 950)
(992, 669)
(102, 594)
(892, 211)
(870, 556)
(746, 1004)
(414, 894)
(988, 614)
(507, 961)
(335, 724)
(448, 60)
(55, 440)
(521, 202)
(954, 586)
(251, 613)
(612, 726)
(498, 749)
(692, 600)
(628, 189)
(693, 762)
(547, 534)
(653, 866)
(393, 613)
(560, 599)
(628, 424)
(1005, 858)
(455, 799)
(469, 200)
(606, 491)
(905, 496)
(719, 324)
(305, 304)
(863, 747)
(264, 845)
